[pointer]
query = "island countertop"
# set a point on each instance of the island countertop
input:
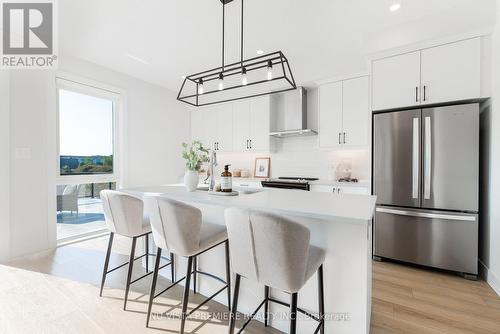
(325, 206)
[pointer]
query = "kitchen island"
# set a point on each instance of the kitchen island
(340, 224)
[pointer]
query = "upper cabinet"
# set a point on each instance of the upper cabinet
(344, 113)
(444, 73)
(242, 126)
(213, 127)
(396, 81)
(452, 72)
(251, 125)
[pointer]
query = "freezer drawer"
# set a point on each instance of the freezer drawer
(445, 240)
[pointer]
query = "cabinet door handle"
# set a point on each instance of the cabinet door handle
(250, 143)
(344, 137)
(416, 94)
(247, 145)
(339, 138)
(425, 90)
(217, 146)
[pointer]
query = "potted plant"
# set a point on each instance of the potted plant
(195, 155)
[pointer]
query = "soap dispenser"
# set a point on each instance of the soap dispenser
(226, 180)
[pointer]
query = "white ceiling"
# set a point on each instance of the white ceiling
(160, 40)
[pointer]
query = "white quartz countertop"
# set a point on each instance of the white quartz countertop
(316, 205)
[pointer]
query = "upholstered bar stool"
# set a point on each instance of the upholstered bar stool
(275, 252)
(180, 229)
(124, 216)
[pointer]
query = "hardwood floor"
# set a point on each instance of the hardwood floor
(58, 292)
(413, 300)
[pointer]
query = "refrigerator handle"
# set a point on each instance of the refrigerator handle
(430, 215)
(428, 158)
(415, 157)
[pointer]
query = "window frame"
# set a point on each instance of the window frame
(91, 88)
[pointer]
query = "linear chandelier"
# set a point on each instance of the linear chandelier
(262, 75)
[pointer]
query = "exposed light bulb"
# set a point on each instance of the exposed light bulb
(394, 7)
(221, 81)
(200, 87)
(244, 80)
(269, 70)
(260, 52)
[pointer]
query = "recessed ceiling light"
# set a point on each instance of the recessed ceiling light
(183, 77)
(259, 52)
(395, 7)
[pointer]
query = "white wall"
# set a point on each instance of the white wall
(490, 182)
(32, 101)
(153, 124)
(4, 165)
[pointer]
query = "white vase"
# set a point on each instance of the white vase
(191, 180)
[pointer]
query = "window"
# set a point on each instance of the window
(86, 136)
(87, 159)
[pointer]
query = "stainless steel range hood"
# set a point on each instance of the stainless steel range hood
(289, 114)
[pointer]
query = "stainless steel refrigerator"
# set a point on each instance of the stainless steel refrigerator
(425, 176)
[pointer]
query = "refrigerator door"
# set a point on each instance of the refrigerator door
(446, 240)
(451, 158)
(396, 158)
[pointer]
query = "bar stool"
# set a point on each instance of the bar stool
(124, 216)
(179, 227)
(275, 252)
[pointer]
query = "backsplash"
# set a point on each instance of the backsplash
(301, 156)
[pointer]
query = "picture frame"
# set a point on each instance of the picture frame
(262, 167)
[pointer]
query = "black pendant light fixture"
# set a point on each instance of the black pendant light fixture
(262, 75)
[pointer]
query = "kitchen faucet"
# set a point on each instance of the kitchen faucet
(213, 163)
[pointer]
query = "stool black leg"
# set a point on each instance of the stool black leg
(147, 251)
(266, 306)
(153, 285)
(130, 268)
(106, 262)
(321, 299)
(293, 313)
(232, 319)
(195, 267)
(228, 276)
(172, 267)
(186, 293)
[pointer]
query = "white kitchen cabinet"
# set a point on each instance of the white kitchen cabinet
(200, 128)
(355, 111)
(213, 127)
(330, 106)
(344, 113)
(259, 124)
(396, 81)
(223, 136)
(241, 128)
(451, 72)
(444, 73)
(251, 125)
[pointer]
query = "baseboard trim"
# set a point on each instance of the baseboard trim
(490, 278)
